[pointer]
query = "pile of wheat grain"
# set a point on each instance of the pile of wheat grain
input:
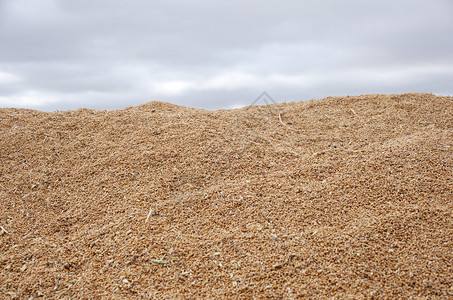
(344, 197)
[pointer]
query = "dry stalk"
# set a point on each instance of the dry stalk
(4, 230)
(283, 123)
(149, 214)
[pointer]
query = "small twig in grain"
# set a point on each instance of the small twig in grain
(159, 261)
(149, 214)
(284, 124)
(4, 230)
(354, 112)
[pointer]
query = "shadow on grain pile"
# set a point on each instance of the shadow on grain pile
(344, 197)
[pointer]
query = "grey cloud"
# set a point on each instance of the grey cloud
(111, 54)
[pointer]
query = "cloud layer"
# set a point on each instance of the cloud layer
(218, 54)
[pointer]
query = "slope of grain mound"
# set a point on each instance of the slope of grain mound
(344, 197)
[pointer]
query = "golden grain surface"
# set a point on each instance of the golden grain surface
(345, 197)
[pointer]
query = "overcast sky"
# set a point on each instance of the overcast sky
(109, 54)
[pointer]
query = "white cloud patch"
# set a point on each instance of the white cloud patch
(8, 78)
(233, 81)
(29, 99)
(172, 88)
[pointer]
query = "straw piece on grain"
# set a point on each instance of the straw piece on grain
(149, 214)
(4, 230)
(283, 123)
(354, 112)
